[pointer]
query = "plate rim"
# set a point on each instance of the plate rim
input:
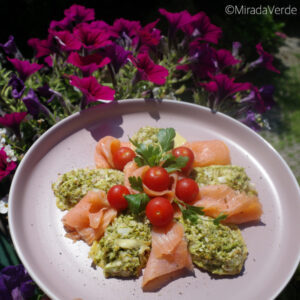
(109, 106)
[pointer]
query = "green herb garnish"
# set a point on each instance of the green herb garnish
(136, 183)
(137, 202)
(175, 163)
(166, 138)
(189, 212)
(153, 155)
(219, 218)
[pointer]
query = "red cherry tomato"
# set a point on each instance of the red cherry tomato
(184, 151)
(115, 196)
(159, 211)
(122, 156)
(157, 179)
(187, 190)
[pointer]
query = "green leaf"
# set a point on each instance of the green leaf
(190, 215)
(189, 212)
(175, 163)
(136, 183)
(166, 138)
(219, 218)
(137, 202)
(147, 155)
(140, 161)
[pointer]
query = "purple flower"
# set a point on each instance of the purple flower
(15, 283)
(176, 20)
(42, 47)
(79, 13)
(67, 41)
(118, 56)
(24, 67)
(64, 24)
(92, 90)
(91, 38)
(224, 59)
(221, 87)
(261, 99)
(46, 92)
(202, 60)
(10, 47)
(236, 48)
(148, 70)
(13, 121)
(149, 37)
(88, 64)
(265, 59)
(33, 105)
(200, 28)
(6, 167)
(48, 60)
(99, 24)
(125, 32)
(251, 121)
(17, 85)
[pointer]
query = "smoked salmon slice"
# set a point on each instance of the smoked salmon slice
(213, 152)
(105, 149)
(169, 256)
(88, 219)
(104, 152)
(238, 206)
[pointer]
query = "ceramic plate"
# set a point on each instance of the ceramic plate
(62, 268)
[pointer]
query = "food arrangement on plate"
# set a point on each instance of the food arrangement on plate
(159, 203)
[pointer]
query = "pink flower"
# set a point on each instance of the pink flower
(265, 59)
(88, 64)
(200, 27)
(12, 120)
(92, 90)
(176, 20)
(224, 59)
(24, 67)
(42, 47)
(79, 13)
(123, 27)
(221, 87)
(91, 38)
(64, 24)
(6, 166)
(149, 36)
(148, 70)
(67, 40)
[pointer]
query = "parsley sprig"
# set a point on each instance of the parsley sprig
(154, 155)
(136, 183)
(137, 202)
(191, 212)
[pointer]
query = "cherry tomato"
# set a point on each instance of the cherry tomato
(159, 211)
(187, 190)
(157, 179)
(115, 196)
(122, 156)
(184, 151)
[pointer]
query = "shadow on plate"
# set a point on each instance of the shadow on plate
(251, 224)
(154, 114)
(106, 127)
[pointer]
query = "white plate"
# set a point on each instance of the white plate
(62, 268)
